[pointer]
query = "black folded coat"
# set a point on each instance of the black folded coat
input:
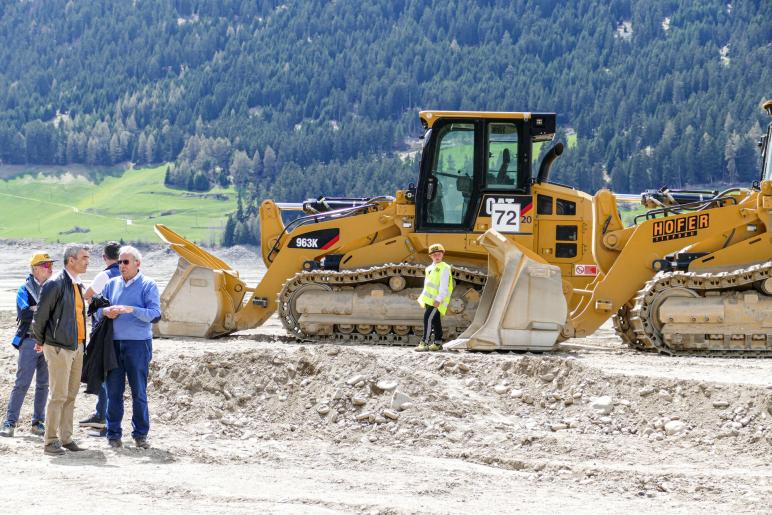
(100, 353)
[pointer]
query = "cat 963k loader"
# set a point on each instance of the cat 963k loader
(561, 262)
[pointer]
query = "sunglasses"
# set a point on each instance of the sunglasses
(124, 261)
(46, 265)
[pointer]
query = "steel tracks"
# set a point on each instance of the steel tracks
(384, 334)
(635, 323)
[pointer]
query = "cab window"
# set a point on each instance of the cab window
(451, 176)
(502, 155)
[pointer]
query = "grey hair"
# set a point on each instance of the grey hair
(128, 249)
(72, 251)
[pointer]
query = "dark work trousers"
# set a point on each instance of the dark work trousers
(101, 405)
(29, 363)
(432, 322)
(133, 362)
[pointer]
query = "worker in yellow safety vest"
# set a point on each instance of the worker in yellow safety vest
(435, 297)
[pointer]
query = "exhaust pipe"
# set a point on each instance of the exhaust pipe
(546, 163)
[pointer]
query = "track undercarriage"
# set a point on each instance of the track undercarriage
(375, 305)
(688, 314)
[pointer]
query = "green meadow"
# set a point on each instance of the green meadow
(72, 208)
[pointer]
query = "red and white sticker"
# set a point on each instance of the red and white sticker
(585, 269)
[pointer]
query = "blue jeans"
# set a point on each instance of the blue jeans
(133, 362)
(101, 405)
(30, 363)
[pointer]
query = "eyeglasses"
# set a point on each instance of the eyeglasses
(124, 261)
(47, 264)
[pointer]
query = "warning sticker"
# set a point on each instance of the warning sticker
(585, 269)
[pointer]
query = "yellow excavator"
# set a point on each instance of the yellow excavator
(561, 262)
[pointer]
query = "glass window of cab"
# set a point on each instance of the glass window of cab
(453, 169)
(502, 155)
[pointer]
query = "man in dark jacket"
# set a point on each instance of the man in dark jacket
(30, 362)
(59, 327)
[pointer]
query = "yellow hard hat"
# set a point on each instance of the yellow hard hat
(436, 247)
(40, 257)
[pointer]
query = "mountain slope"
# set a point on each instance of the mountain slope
(657, 92)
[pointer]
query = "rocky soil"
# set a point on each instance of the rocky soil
(257, 422)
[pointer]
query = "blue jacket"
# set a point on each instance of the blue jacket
(113, 270)
(26, 298)
(143, 295)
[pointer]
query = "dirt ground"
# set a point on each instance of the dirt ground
(258, 423)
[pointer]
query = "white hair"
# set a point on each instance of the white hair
(128, 249)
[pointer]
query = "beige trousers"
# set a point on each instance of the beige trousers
(64, 368)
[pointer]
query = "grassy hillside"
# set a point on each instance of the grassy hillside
(53, 208)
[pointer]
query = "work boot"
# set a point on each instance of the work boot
(7, 430)
(93, 421)
(422, 347)
(434, 347)
(115, 444)
(141, 443)
(53, 449)
(72, 446)
(38, 428)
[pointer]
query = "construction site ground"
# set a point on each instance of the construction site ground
(257, 422)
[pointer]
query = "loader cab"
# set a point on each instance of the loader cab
(471, 159)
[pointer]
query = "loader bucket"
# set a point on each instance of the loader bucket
(522, 306)
(202, 296)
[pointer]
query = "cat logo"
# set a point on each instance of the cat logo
(525, 201)
(675, 228)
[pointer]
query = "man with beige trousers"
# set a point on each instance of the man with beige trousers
(59, 328)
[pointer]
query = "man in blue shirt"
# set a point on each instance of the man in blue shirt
(135, 305)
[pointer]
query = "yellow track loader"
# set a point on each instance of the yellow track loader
(561, 261)
(691, 276)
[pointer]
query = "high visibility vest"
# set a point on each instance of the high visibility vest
(432, 287)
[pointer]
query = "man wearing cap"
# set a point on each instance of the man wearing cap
(29, 362)
(110, 258)
(435, 297)
(59, 328)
